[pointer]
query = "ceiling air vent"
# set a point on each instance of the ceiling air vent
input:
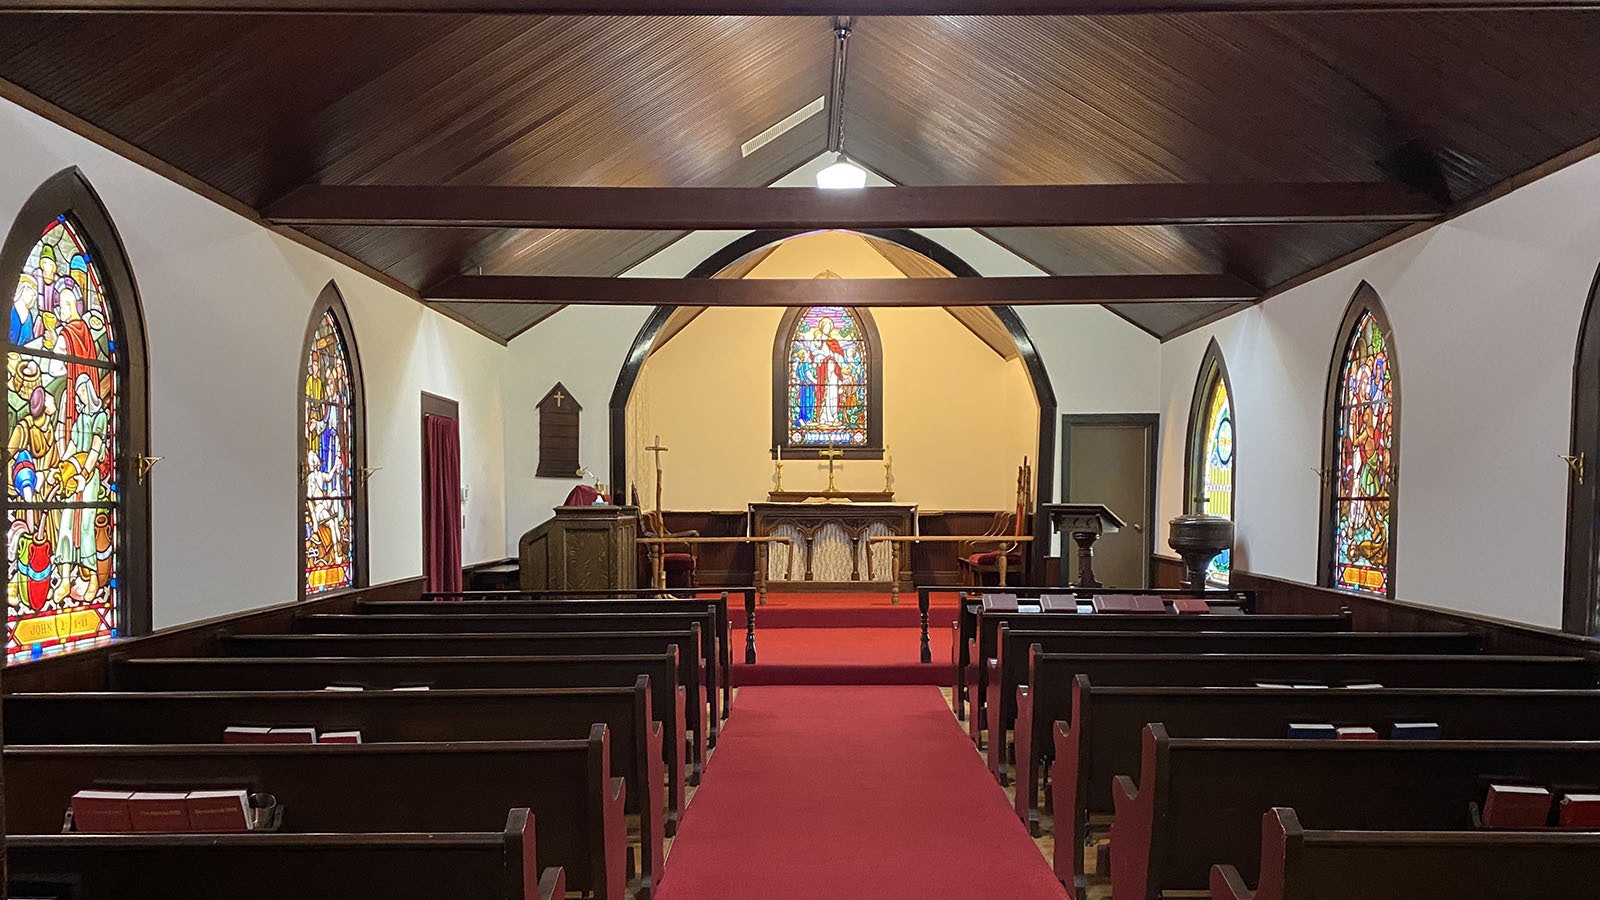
(778, 130)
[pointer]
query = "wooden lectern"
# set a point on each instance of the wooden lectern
(582, 548)
(1085, 522)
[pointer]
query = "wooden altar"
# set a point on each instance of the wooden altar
(829, 543)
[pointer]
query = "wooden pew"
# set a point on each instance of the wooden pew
(968, 625)
(361, 788)
(971, 669)
(1102, 737)
(382, 717)
(668, 698)
(1297, 864)
(1008, 669)
(646, 600)
(601, 643)
(447, 622)
(465, 865)
(1198, 801)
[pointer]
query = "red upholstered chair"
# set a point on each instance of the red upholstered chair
(981, 558)
(679, 565)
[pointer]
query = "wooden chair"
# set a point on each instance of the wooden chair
(679, 566)
(979, 559)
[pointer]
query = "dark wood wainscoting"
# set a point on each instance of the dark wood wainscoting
(1166, 571)
(88, 670)
(735, 564)
(1374, 613)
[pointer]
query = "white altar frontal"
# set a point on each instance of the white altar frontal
(829, 543)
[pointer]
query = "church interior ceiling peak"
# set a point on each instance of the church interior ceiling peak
(256, 106)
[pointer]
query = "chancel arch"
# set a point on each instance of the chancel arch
(1011, 406)
(332, 452)
(1209, 470)
(1360, 470)
(77, 497)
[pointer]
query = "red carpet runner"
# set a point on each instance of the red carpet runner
(838, 793)
(845, 638)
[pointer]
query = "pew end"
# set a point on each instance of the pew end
(1135, 842)
(1227, 884)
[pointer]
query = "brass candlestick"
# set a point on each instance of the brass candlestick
(777, 470)
(888, 469)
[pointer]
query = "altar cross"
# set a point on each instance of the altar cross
(657, 449)
(830, 455)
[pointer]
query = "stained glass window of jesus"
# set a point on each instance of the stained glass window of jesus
(329, 464)
(1217, 467)
(1364, 475)
(64, 499)
(828, 390)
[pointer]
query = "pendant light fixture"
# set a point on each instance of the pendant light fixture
(841, 174)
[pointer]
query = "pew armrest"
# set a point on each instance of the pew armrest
(553, 884)
(1227, 884)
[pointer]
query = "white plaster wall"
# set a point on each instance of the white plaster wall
(226, 304)
(1486, 310)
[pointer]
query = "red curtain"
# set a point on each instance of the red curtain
(441, 505)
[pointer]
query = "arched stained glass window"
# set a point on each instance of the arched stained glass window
(830, 390)
(1361, 471)
(330, 454)
(66, 388)
(1211, 452)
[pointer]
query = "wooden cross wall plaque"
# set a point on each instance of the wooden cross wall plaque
(558, 434)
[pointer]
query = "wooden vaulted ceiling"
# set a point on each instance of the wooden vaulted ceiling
(255, 106)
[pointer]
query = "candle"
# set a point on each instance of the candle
(779, 448)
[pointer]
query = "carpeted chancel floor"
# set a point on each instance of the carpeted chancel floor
(845, 638)
(836, 793)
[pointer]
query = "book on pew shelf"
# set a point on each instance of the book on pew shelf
(999, 603)
(1364, 686)
(1357, 733)
(1580, 811)
(102, 812)
(1516, 806)
(218, 811)
(1305, 687)
(1190, 606)
(164, 811)
(247, 734)
(339, 737)
(1273, 684)
(413, 687)
(1059, 603)
(1415, 731)
(1313, 731)
(1129, 603)
(292, 736)
(344, 687)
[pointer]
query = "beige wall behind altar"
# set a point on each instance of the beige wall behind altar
(957, 417)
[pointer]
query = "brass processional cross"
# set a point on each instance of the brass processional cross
(830, 455)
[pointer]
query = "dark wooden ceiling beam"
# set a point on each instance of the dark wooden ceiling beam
(975, 206)
(1023, 291)
(788, 7)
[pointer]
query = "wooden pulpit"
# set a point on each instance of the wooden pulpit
(1085, 522)
(582, 548)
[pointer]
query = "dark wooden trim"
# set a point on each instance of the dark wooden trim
(1151, 422)
(1043, 290)
(1581, 598)
(1038, 374)
(1213, 369)
(782, 340)
(1370, 612)
(810, 209)
(1365, 299)
(788, 7)
(331, 301)
(1167, 572)
(69, 192)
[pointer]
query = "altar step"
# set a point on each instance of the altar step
(903, 616)
(867, 655)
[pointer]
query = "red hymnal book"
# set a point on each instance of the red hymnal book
(247, 734)
(1129, 603)
(292, 736)
(159, 811)
(218, 810)
(1356, 733)
(1190, 605)
(101, 812)
(1580, 811)
(1516, 806)
(999, 603)
(339, 737)
(1059, 603)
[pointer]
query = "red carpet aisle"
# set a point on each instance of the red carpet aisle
(851, 793)
(845, 638)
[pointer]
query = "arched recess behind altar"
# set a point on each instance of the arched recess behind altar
(740, 249)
